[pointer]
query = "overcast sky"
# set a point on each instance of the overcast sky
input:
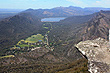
(36, 4)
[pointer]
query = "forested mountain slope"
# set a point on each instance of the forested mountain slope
(14, 28)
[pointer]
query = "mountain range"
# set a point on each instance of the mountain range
(81, 24)
(65, 11)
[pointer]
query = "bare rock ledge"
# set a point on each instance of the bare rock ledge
(98, 54)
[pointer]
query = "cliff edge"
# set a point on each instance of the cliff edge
(98, 54)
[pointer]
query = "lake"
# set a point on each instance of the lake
(55, 19)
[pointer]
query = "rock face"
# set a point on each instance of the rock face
(98, 53)
(98, 26)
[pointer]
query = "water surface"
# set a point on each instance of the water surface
(55, 19)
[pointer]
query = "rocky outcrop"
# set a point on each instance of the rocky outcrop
(98, 26)
(98, 53)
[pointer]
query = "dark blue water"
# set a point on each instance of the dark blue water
(56, 19)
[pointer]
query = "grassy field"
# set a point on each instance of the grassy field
(7, 56)
(23, 45)
(34, 38)
(46, 27)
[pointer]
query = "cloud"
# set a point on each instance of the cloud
(24, 0)
(80, 3)
(97, 1)
(75, 1)
(102, 3)
(33, 0)
(93, 3)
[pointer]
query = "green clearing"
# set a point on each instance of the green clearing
(23, 45)
(34, 38)
(20, 41)
(46, 27)
(7, 56)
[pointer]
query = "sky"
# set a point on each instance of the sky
(47, 4)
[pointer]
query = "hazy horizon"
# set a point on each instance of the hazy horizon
(48, 8)
(48, 4)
